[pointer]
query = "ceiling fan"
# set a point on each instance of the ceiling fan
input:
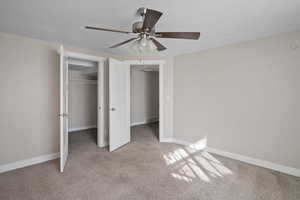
(146, 34)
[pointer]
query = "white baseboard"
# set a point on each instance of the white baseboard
(147, 121)
(246, 159)
(104, 144)
(257, 162)
(28, 162)
(167, 140)
(181, 142)
(82, 128)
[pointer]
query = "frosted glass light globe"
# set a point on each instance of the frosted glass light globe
(144, 41)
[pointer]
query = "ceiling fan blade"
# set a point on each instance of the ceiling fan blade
(119, 44)
(105, 29)
(178, 35)
(158, 45)
(151, 18)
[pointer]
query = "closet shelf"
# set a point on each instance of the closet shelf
(84, 81)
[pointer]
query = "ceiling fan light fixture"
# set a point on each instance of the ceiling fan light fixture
(151, 47)
(136, 47)
(146, 39)
(143, 45)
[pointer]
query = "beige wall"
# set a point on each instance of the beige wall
(29, 101)
(82, 101)
(244, 98)
(168, 98)
(144, 96)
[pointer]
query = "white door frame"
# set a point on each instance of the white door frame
(101, 64)
(161, 64)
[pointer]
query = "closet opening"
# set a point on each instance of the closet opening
(144, 100)
(82, 104)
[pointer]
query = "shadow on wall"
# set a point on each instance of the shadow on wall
(191, 162)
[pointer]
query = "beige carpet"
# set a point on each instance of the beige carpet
(145, 169)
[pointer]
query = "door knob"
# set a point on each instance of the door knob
(112, 109)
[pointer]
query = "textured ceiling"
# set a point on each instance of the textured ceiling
(220, 22)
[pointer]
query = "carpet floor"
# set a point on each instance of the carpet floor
(145, 169)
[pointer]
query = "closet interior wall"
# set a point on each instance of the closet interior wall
(82, 97)
(144, 94)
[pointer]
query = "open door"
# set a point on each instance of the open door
(119, 113)
(63, 116)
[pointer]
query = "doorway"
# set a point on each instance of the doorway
(113, 102)
(81, 98)
(144, 102)
(82, 104)
(120, 100)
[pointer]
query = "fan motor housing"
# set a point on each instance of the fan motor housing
(137, 27)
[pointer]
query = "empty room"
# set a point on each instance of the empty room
(149, 99)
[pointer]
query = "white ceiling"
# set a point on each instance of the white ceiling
(220, 22)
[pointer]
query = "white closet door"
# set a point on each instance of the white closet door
(63, 116)
(119, 114)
